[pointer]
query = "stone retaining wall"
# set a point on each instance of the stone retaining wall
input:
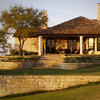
(77, 65)
(10, 85)
(16, 65)
(33, 64)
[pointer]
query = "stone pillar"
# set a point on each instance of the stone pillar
(44, 26)
(98, 11)
(81, 44)
(40, 46)
(95, 48)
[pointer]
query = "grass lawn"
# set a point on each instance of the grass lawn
(86, 71)
(80, 93)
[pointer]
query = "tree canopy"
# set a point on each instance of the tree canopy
(20, 17)
(23, 20)
(3, 42)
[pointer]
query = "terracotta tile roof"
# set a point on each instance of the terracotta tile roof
(26, 32)
(79, 25)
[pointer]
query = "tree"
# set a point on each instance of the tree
(3, 42)
(23, 20)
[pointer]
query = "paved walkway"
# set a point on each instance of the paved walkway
(49, 61)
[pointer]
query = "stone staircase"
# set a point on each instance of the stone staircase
(49, 61)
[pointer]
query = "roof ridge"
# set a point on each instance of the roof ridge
(78, 25)
(70, 20)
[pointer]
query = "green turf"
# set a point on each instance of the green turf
(86, 71)
(80, 93)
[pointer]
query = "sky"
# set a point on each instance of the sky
(58, 10)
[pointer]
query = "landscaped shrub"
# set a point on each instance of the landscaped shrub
(2, 60)
(29, 53)
(66, 58)
(79, 59)
(73, 60)
(83, 58)
(16, 58)
(32, 58)
(13, 52)
(66, 61)
(21, 59)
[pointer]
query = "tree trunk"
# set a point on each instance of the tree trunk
(20, 48)
(21, 43)
(20, 51)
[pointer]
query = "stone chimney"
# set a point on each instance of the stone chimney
(98, 11)
(45, 18)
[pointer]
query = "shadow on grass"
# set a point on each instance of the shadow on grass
(85, 71)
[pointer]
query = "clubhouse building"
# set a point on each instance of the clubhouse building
(77, 36)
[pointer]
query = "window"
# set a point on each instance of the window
(74, 44)
(91, 43)
(98, 44)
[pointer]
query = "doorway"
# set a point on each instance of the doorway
(72, 46)
(50, 46)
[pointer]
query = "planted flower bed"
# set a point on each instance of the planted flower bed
(17, 62)
(80, 62)
(18, 59)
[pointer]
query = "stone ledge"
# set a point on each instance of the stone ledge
(77, 65)
(14, 84)
(17, 65)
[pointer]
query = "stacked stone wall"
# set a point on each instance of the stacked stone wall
(30, 45)
(51, 63)
(17, 65)
(78, 65)
(10, 85)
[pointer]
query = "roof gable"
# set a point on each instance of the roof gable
(79, 21)
(79, 25)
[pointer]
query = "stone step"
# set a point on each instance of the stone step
(49, 61)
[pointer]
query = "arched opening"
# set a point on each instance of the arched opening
(72, 45)
(50, 46)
